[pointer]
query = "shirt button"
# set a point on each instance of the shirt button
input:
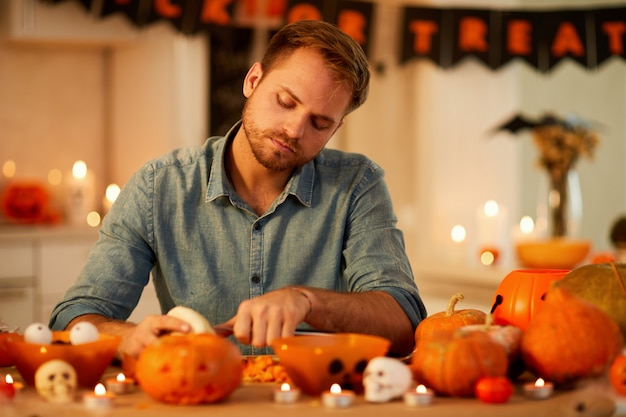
(257, 226)
(256, 279)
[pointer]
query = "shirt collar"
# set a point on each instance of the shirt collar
(300, 184)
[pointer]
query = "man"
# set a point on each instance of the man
(262, 230)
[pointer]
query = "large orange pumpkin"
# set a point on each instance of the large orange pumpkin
(520, 295)
(189, 369)
(570, 339)
(451, 361)
(450, 319)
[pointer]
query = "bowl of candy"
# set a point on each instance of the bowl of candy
(86, 350)
(315, 362)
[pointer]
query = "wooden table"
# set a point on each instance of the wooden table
(255, 400)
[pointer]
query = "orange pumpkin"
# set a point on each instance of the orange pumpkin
(520, 295)
(617, 374)
(451, 361)
(189, 369)
(450, 319)
(570, 339)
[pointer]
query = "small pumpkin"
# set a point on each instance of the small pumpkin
(570, 339)
(189, 369)
(508, 336)
(450, 319)
(617, 373)
(451, 361)
(520, 295)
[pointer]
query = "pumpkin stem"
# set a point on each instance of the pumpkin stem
(488, 321)
(452, 303)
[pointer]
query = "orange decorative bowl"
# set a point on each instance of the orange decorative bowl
(553, 253)
(90, 360)
(5, 359)
(315, 362)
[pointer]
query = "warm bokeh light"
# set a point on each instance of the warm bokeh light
(487, 257)
(121, 377)
(79, 169)
(112, 191)
(335, 389)
(421, 389)
(9, 168)
(458, 233)
(93, 219)
(8, 379)
(55, 176)
(527, 225)
(285, 387)
(491, 208)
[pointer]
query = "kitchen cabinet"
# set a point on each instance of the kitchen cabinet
(66, 23)
(38, 264)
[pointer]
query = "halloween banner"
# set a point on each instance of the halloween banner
(445, 36)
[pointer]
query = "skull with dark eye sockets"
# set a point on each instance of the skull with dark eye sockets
(56, 381)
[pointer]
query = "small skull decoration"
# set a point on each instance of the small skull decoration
(385, 379)
(56, 381)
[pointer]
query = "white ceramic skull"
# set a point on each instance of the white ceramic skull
(385, 379)
(56, 381)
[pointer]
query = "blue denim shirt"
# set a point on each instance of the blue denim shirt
(180, 219)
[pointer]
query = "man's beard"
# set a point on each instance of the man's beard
(273, 160)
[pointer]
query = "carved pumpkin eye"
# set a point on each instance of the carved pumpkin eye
(360, 366)
(335, 367)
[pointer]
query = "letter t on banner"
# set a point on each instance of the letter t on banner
(421, 34)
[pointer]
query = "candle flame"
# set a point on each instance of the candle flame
(540, 382)
(421, 389)
(121, 377)
(99, 389)
(285, 387)
(335, 389)
(526, 225)
(9, 379)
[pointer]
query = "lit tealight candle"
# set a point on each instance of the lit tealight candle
(419, 397)
(336, 398)
(7, 390)
(539, 390)
(286, 394)
(120, 384)
(100, 399)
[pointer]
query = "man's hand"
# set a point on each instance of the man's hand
(135, 337)
(276, 314)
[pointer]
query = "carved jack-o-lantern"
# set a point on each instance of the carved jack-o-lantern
(26, 202)
(189, 369)
(520, 295)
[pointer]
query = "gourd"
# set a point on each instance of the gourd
(519, 295)
(450, 319)
(570, 339)
(451, 361)
(603, 285)
(189, 369)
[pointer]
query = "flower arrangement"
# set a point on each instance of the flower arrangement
(561, 142)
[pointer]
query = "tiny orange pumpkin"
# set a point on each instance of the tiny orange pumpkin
(450, 319)
(617, 373)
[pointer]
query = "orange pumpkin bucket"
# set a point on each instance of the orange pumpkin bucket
(520, 295)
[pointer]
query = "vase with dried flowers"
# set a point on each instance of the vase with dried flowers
(561, 142)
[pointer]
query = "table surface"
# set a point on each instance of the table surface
(593, 399)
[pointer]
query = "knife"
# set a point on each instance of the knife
(225, 330)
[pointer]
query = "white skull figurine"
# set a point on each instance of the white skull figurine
(385, 379)
(56, 381)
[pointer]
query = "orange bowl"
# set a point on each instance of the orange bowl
(5, 359)
(315, 362)
(90, 360)
(552, 253)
